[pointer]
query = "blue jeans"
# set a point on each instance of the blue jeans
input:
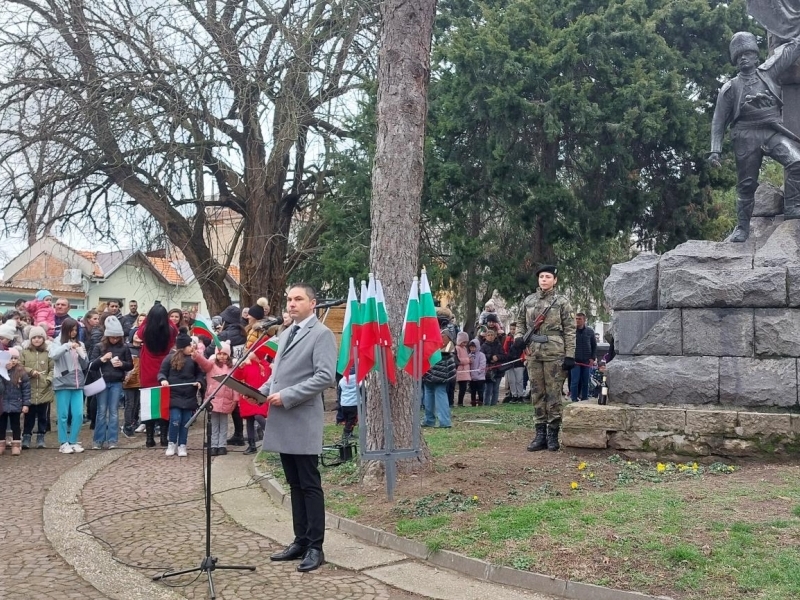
(69, 404)
(490, 392)
(178, 417)
(106, 427)
(434, 399)
(579, 383)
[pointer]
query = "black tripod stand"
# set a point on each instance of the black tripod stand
(209, 563)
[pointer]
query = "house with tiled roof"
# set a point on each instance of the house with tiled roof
(90, 278)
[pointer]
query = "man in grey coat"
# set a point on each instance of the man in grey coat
(304, 366)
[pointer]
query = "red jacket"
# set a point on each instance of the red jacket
(150, 363)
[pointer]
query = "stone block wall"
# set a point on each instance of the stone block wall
(715, 324)
(680, 432)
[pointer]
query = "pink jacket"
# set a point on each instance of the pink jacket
(43, 314)
(462, 364)
(225, 401)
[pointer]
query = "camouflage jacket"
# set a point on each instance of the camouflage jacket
(558, 326)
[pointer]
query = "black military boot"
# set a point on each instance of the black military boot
(150, 431)
(540, 441)
(163, 432)
(744, 211)
(552, 437)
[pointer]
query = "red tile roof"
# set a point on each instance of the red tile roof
(163, 266)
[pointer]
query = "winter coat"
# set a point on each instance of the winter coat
(150, 363)
(442, 372)
(183, 396)
(585, 345)
(69, 365)
(15, 397)
(39, 360)
(489, 350)
(254, 374)
(225, 399)
(93, 339)
(478, 364)
(110, 373)
(42, 314)
(558, 326)
(463, 364)
(131, 381)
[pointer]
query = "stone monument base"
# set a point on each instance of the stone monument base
(680, 433)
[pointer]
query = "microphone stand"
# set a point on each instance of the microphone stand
(209, 563)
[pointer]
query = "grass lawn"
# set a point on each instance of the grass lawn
(692, 531)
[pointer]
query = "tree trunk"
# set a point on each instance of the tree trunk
(403, 75)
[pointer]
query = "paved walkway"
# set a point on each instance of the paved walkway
(146, 511)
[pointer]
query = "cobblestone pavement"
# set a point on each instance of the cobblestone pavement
(154, 539)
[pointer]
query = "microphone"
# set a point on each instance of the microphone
(273, 321)
(330, 303)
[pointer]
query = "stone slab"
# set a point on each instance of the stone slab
(753, 382)
(711, 422)
(630, 326)
(777, 332)
(717, 331)
(656, 419)
(583, 438)
(782, 249)
(633, 285)
(588, 415)
(667, 380)
(769, 201)
(753, 424)
(761, 228)
(793, 283)
(723, 288)
(702, 254)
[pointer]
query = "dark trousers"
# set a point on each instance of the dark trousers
(308, 501)
(350, 414)
(451, 392)
(131, 407)
(462, 391)
(238, 422)
(40, 412)
(251, 426)
(12, 420)
(476, 389)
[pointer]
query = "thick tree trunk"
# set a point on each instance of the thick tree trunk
(403, 75)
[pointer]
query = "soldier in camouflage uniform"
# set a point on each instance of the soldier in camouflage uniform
(548, 360)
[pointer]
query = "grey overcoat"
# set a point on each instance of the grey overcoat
(300, 373)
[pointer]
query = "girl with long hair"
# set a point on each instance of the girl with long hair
(69, 355)
(158, 337)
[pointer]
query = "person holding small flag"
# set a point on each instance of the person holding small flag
(158, 336)
(184, 377)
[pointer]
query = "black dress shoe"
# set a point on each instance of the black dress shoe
(291, 552)
(313, 559)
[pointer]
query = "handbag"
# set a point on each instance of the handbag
(94, 388)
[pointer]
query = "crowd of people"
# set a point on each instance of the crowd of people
(92, 366)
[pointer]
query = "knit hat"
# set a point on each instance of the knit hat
(37, 331)
(42, 294)
(113, 328)
(257, 310)
(224, 347)
(231, 315)
(183, 340)
(8, 330)
(462, 337)
(13, 352)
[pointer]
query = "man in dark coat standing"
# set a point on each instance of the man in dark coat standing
(304, 367)
(585, 349)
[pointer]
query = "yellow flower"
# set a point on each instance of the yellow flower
(629, 462)
(695, 466)
(661, 467)
(581, 466)
(591, 475)
(574, 485)
(475, 498)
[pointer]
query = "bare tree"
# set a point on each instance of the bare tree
(403, 75)
(178, 107)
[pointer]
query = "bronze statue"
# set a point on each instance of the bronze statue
(751, 104)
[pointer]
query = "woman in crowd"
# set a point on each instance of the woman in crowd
(69, 356)
(158, 335)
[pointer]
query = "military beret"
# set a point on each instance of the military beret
(548, 269)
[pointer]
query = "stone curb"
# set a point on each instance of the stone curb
(472, 567)
(63, 513)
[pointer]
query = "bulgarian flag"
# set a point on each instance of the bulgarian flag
(155, 403)
(385, 333)
(369, 332)
(349, 332)
(267, 348)
(410, 335)
(429, 325)
(202, 326)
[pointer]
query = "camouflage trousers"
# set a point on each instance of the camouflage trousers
(547, 380)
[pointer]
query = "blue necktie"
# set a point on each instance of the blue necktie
(292, 333)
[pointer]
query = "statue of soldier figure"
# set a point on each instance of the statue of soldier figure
(751, 104)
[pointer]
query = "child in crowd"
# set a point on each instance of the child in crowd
(184, 377)
(477, 365)
(16, 401)
(42, 312)
(348, 403)
(39, 367)
(8, 334)
(69, 355)
(225, 399)
(112, 358)
(434, 386)
(130, 388)
(463, 375)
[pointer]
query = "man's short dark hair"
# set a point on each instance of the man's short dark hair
(307, 288)
(19, 302)
(117, 302)
(130, 301)
(581, 315)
